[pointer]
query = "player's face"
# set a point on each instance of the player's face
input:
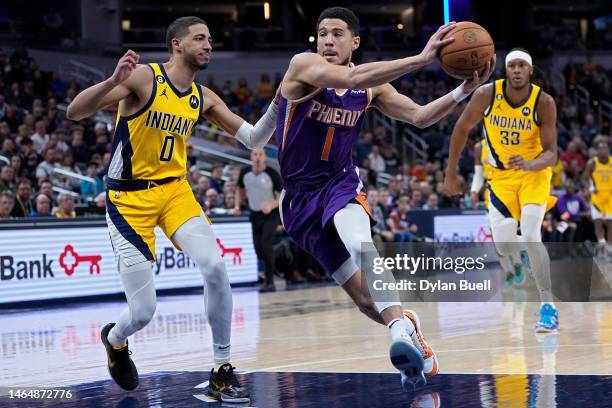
(335, 42)
(603, 151)
(518, 73)
(197, 46)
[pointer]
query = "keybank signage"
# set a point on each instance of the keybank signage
(57, 263)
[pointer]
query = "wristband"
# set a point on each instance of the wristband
(458, 94)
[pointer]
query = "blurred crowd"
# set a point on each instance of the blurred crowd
(38, 146)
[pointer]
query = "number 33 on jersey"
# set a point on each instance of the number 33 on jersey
(150, 144)
(512, 129)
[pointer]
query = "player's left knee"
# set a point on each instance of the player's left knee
(216, 275)
(531, 232)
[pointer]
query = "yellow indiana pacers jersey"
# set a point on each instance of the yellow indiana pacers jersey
(151, 143)
(602, 176)
(484, 157)
(512, 129)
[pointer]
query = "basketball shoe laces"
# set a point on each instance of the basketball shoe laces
(123, 358)
(228, 376)
(418, 342)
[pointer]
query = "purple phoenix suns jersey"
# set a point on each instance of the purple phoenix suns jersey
(315, 134)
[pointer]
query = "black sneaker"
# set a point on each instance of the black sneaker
(265, 288)
(120, 366)
(224, 386)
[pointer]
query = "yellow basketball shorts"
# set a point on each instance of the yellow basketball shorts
(133, 215)
(601, 205)
(511, 190)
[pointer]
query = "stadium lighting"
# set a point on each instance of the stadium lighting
(311, 39)
(267, 10)
(126, 25)
(400, 26)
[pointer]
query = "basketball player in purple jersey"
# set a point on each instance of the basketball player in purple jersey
(323, 207)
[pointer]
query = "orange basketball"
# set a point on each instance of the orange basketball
(472, 49)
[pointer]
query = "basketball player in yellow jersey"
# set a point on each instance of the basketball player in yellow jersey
(158, 106)
(512, 269)
(519, 124)
(599, 175)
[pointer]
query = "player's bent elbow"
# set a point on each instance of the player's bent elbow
(73, 115)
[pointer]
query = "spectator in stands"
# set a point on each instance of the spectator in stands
(16, 164)
(589, 130)
(79, 150)
(44, 171)
(216, 178)
(392, 160)
(90, 190)
(30, 158)
(58, 87)
(230, 186)
(42, 206)
(70, 183)
(23, 201)
(229, 202)
(8, 148)
(57, 141)
(385, 201)
(65, 206)
(572, 160)
(265, 91)
(7, 202)
(201, 188)
(101, 147)
(194, 176)
(40, 136)
(262, 186)
(377, 162)
(416, 199)
(381, 231)
(5, 131)
(364, 147)
(212, 200)
(46, 188)
(242, 91)
(570, 208)
(4, 107)
(401, 225)
(432, 202)
(7, 179)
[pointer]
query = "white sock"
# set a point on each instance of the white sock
(221, 354)
(400, 327)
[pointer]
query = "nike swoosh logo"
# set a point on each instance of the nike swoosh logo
(225, 347)
(111, 363)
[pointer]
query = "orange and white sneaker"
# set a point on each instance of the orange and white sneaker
(431, 365)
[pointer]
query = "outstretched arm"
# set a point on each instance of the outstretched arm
(400, 107)
(252, 136)
(312, 70)
(127, 78)
(473, 113)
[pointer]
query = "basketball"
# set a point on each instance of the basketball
(471, 50)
